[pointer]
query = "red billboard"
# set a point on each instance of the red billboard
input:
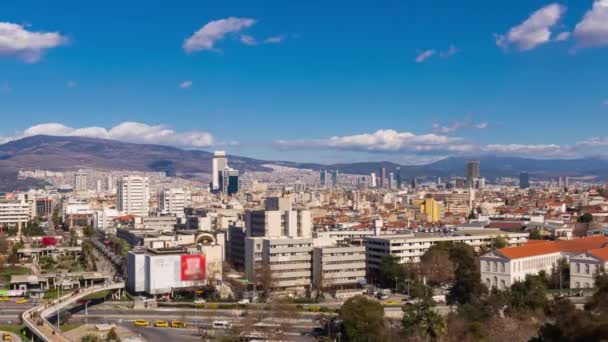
(49, 241)
(193, 267)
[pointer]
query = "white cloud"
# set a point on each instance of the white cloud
(26, 45)
(206, 37)
(451, 51)
(248, 40)
(562, 36)
(534, 31)
(592, 30)
(393, 142)
(457, 125)
(424, 55)
(274, 39)
(186, 84)
(135, 132)
(72, 84)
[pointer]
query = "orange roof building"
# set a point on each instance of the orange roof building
(502, 267)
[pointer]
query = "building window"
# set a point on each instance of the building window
(578, 268)
(502, 267)
(586, 268)
(578, 285)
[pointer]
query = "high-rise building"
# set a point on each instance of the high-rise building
(472, 171)
(323, 178)
(229, 181)
(133, 195)
(383, 180)
(334, 178)
(391, 180)
(414, 183)
(80, 181)
(524, 180)
(219, 163)
(110, 183)
(372, 180)
(173, 201)
(398, 177)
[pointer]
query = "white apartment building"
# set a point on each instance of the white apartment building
(133, 195)
(502, 267)
(103, 219)
(173, 201)
(293, 223)
(289, 262)
(14, 213)
(411, 247)
(585, 267)
(80, 181)
(339, 267)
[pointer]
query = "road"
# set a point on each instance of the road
(10, 312)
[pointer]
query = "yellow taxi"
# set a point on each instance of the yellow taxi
(22, 301)
(141, 323)
(161, 324)
(6, 337)
(178, 324)
(4, 299)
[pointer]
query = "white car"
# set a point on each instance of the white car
(199, 301)
(243, 301)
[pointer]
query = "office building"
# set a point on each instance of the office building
(323, 178)
(338, 268)
(410, 247)
(334, 178)
(173, 201)
(472, 171)
(219, 162)
(373, 181)
(383, 181)
(398, 177)
(524, 180)
(80, 181)
(133, 195)
(229, 181)
(283, 265)
(14, 213)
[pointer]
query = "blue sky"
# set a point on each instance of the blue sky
(322, 81)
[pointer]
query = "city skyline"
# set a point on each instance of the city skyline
(408, 83)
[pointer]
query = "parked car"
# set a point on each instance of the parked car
(244, 301)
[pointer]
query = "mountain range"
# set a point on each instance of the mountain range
(60, 153)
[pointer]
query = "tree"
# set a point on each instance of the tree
(586, 218)
(500, 242)
(363, 319)
(467, 285)
(73, 237)
(535, 235)
(436, 266)
(531, 294)
(112, 336)
(421, 320)
(560, 275)
(91, 338)
(390, 271)
(4, 244)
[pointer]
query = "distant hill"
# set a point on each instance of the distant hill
(72, 153)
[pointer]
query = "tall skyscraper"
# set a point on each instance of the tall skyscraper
(229, 181)
(391, 180)
(218, 164)
(372, 180)
(323, 178)
(524, 180)
(472, 171)
(383, 180)
(80, 181)
(334, 178)
(398, 177)
(133, 195)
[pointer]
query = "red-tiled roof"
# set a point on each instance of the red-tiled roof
(570, 246)
(600, 253)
